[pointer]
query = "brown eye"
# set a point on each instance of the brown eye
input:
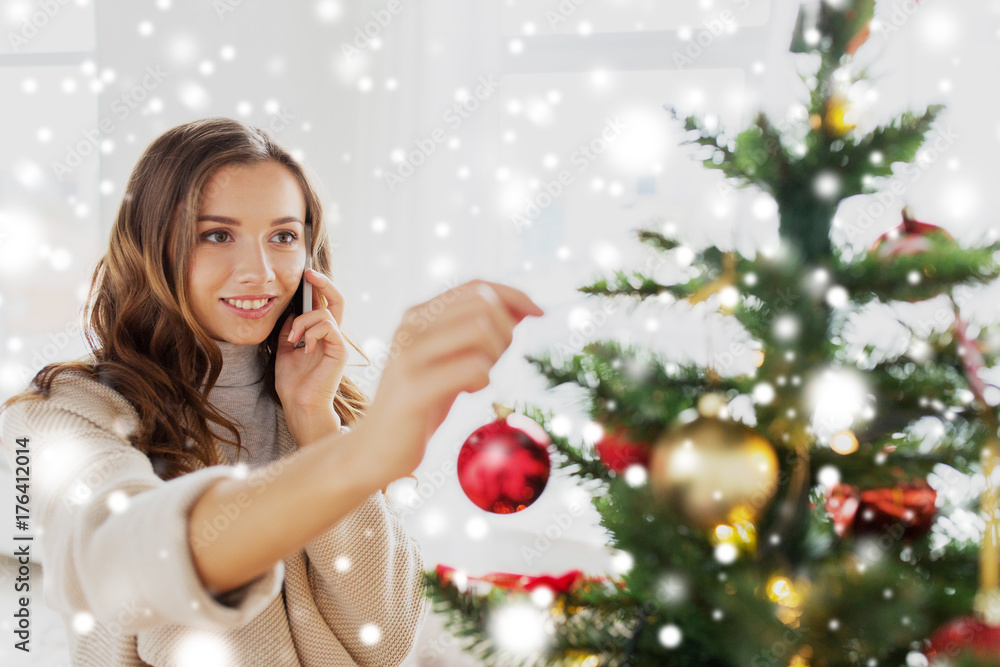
(220, 231)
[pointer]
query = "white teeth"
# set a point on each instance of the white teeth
(247, 305)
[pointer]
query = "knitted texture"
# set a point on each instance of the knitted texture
(117, 561)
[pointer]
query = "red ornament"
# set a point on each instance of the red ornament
(907, 509)
(504, 466)
(618, 452)
(564, 583)
(909, 238)
(965, 637)
(972, 358)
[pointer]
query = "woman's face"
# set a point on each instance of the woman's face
(251, 248)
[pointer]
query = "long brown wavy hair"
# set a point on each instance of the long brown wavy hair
(146, 342)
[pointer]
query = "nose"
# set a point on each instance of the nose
(254, 266)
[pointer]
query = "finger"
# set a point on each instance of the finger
(496, 310)
(441, 384)
(302, 322)
(286, 328)
(429, 319)
(481, 303)
(326, 330)
(470, 334)
(326, 288)
(514, 300)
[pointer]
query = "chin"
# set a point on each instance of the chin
(249, 339)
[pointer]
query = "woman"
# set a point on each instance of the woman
(167, 542)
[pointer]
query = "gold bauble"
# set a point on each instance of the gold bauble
(714, 469)
(836, 109)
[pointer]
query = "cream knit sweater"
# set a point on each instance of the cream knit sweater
(118, 567)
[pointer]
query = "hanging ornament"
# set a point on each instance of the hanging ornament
(832, 120)
(909, 507)
(965, 638)
(714, 469)
(504, 465)
(568, 582)
(859, 38)
(860, 18)
(909, 238)
(617, 452)
(978, 636)
(726, 279)
(972, 357)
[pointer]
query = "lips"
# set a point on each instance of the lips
(250, 314)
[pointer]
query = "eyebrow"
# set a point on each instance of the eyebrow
(236, 223)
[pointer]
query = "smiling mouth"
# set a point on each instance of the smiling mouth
(248, 304)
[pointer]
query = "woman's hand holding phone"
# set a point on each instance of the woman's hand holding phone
(445, 346)
(307, 378)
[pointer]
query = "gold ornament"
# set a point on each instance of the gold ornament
(836, 109)
(987, 601)
(788, 597)
(711, 404)
(726, 279)
(716, 471)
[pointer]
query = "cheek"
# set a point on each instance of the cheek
(290, 273)
(202, 278)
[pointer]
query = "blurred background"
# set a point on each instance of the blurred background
(513, 140)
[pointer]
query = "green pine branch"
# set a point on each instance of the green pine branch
(918, 277)
(634, 285)
(642, 396)
(656, 239)
(886, 145)
(836, 28)
(757, 157)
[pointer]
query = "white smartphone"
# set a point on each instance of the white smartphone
(307, 292)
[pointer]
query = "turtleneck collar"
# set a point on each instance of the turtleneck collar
(241, 365)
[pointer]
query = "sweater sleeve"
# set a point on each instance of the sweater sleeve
(115, 535)
(366, 574)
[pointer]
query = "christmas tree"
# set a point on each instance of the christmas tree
(781, 515)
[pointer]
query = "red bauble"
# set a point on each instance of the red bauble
(909, 238)
(907, 510)
(966, 637)
(564, 583)
(618, 453)
(972, 357)
(504, 466)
